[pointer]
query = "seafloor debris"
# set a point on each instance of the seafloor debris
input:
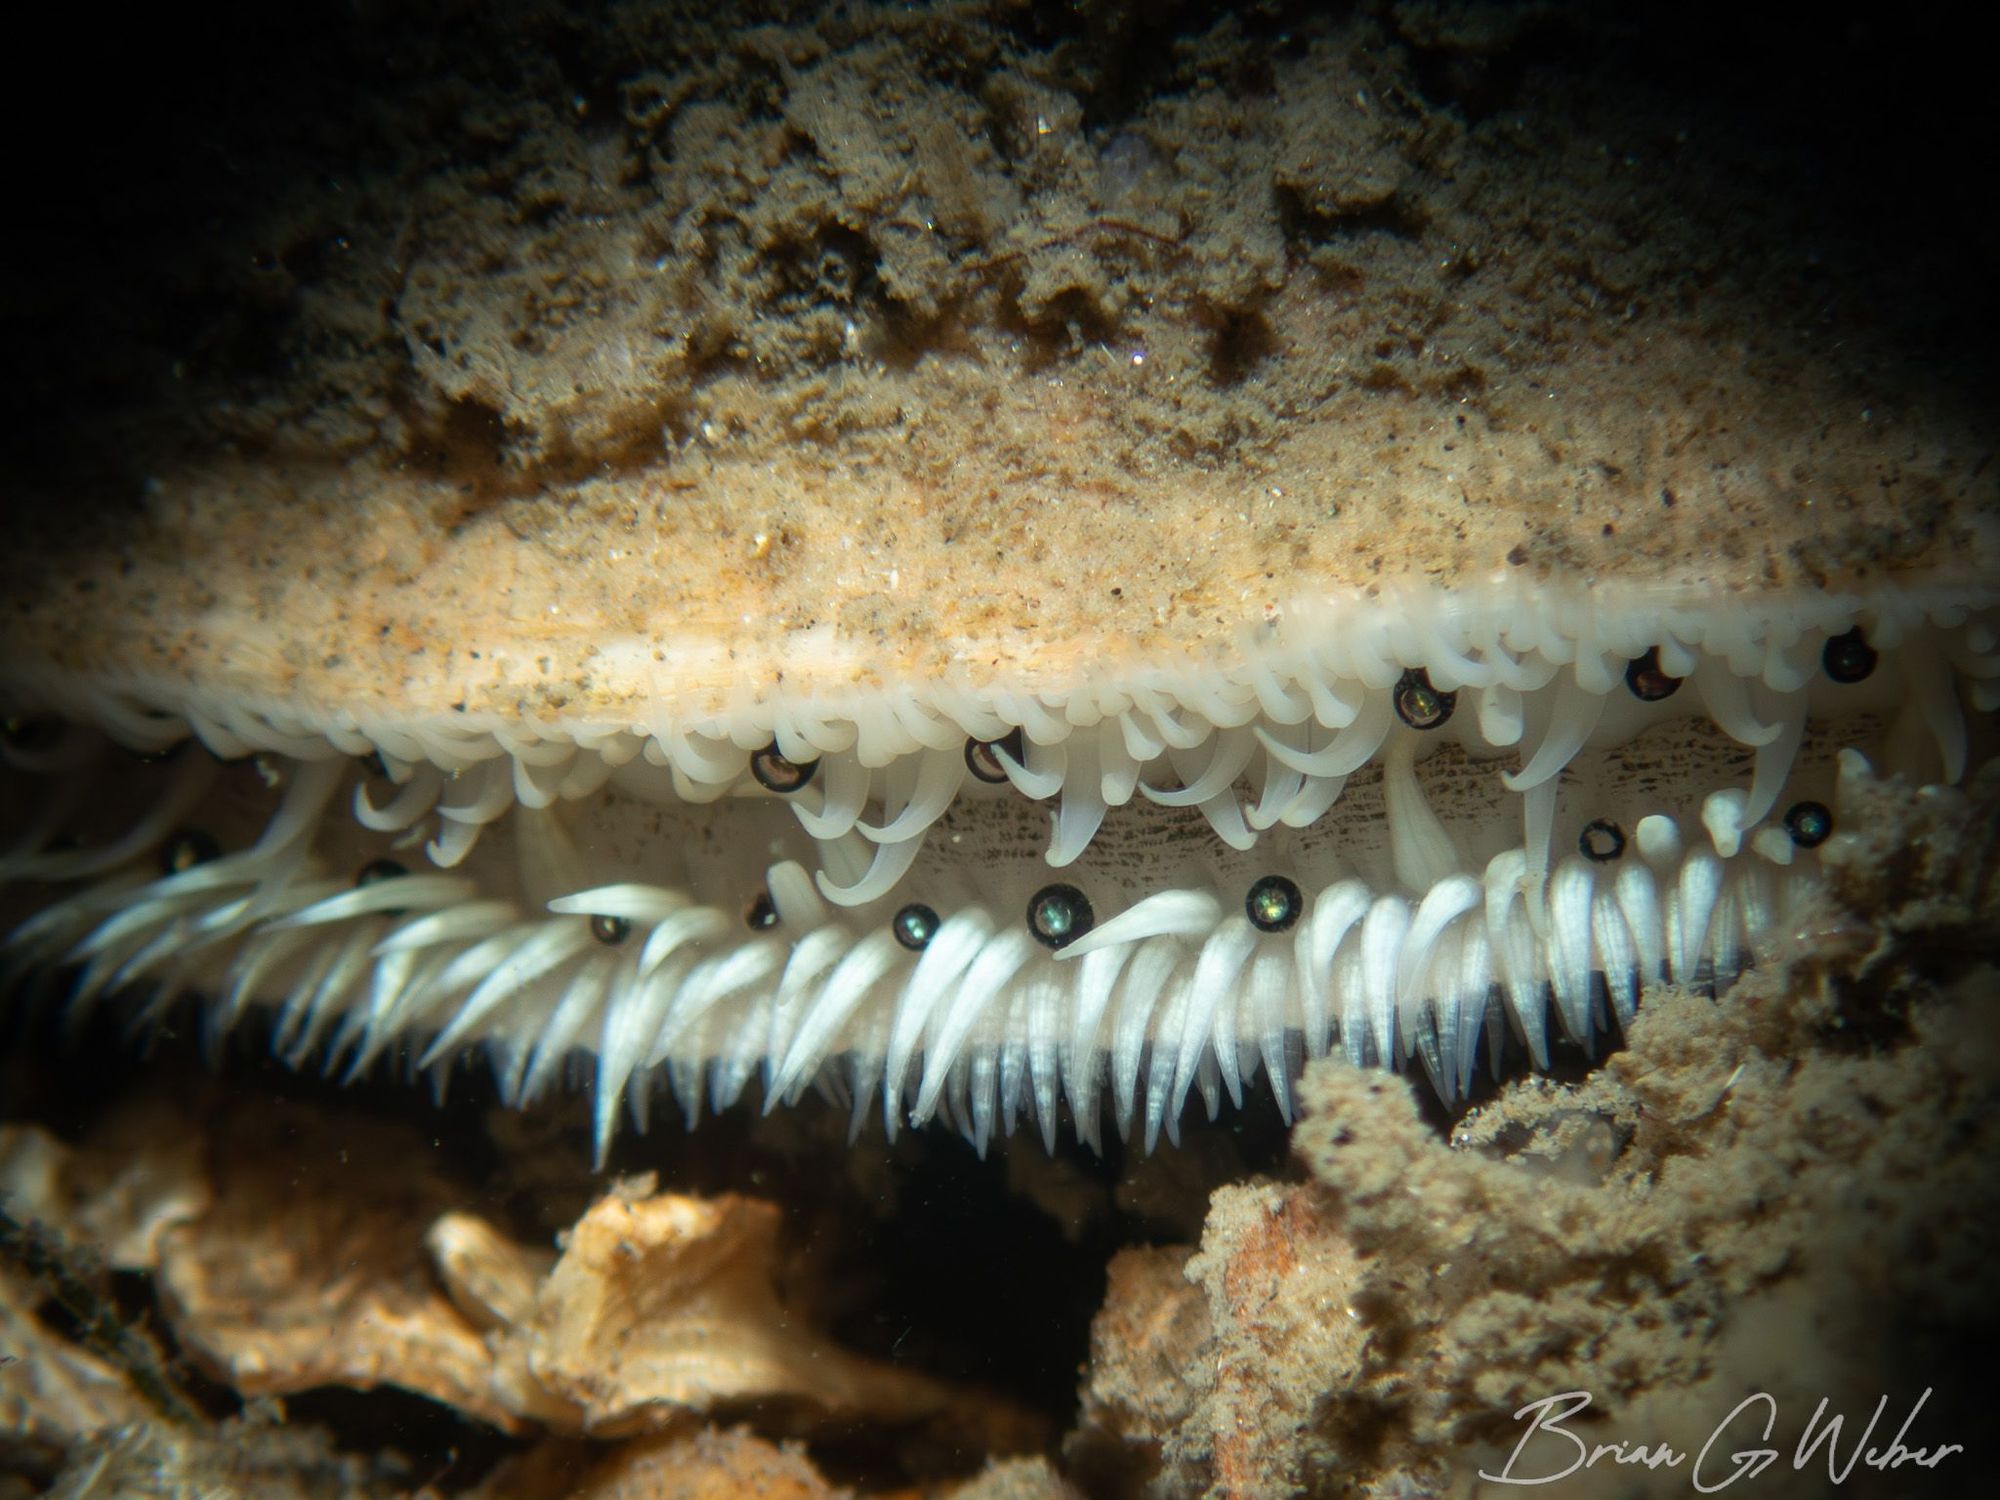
(324, 1254)
(709, 1465)
(293, 1249)
(258, 1457)
(1786, 1191)
(661, 1306)
(723, 1464)
(53, 1393)
(310, 1268)
(140, 1174)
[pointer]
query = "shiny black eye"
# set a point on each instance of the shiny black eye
(779, 775)
(1273, 904)
(984, 764)
(1647, 682)
(377, 871)
(1809, 823)
(186, 849)
(1058, 915)
(1420, 705)
(761, 914)
(1849, 657)
(1601, 841)
(609, 930)
(915, 925)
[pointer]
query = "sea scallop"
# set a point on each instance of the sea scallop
(820, 574)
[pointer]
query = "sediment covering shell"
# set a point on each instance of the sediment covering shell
(995, 621)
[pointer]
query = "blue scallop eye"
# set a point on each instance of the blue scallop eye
(777, 774)
(1273, 904)
(1849, 657)
(761, 915)
(1601, 841)
(1420, 705)
(1809, 823)
(915, 925)
(610, 931)
(1058, 915)
(1647, 682)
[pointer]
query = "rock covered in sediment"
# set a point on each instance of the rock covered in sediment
(1784, 1189)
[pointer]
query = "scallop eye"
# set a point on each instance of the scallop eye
(761, 914)
(375, 872)
(915, 925)
(1420, 705)
(1648, 683)
(1849, 657)
(984, 764)
(777, 774)
(1058, 915)
(1601, 840)
(1809, 823)
(186, 849)
(609, 930)
(1273, 904)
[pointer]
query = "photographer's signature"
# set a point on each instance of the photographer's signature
(1739, 1448)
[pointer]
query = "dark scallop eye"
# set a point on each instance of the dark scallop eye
(1601, 841)
(761, 914)
(1849, 657)
(609, 930)
(984, 764)
(186, 849)
(375, 872)
(1058, 915)
(1809, 823)
(1273, 904)
(1420, 705)
(915, 925)
(777, 774)
(1647, 682)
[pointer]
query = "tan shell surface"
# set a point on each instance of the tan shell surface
(865, 375)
